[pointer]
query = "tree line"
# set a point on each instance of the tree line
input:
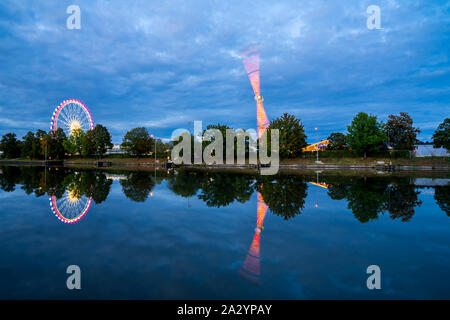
(56, 145)
(365, 135)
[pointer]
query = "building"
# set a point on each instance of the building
(116, 149)
(427, 150)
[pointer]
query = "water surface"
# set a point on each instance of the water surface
(193, 235)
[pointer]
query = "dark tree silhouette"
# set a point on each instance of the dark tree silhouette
(221, 189)
(402, 199)
(442, 197)
(284, 195)
(137, 186)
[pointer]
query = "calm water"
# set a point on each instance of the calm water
(220, 235)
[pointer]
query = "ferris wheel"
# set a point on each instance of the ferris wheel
(71, 115)
(71, 207)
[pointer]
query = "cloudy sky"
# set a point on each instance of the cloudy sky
(163, 64)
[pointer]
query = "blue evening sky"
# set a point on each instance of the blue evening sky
(163, 64)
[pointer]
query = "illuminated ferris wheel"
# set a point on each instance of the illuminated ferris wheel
(71, 207)
(71, 115)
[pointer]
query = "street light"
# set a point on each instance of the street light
(154, 142)
(45, 161)
(317, 161)
(42, 139)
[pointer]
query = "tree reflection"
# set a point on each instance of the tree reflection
(9, 178)
(402, 199)
(221, 189)
(137, 186)
(369, 197)
(185, 184)
(92, 184)
(442, 197)
(337, 191)
(366, 198)
(284, 195)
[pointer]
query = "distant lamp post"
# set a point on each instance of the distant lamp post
(45, 142)
(154, 142)
(317, 147)
(45, 161)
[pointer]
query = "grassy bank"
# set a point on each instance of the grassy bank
(424, 161)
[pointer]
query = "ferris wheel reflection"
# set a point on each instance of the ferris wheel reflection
(71, 207)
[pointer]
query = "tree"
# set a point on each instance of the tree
(102, 140)
(73, 144)
(338, 141)
(162, 149)
(292, 135)
(87, 144)
(10, 146)
(137, 141)
(441, 137)
(400, 131)
(27, 145)
(54, 142)
(365, 134)
(31, 145)
(37, 150)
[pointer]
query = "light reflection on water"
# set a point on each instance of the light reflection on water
(222, 235)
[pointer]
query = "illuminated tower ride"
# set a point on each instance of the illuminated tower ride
(251, 64)
(251, 268)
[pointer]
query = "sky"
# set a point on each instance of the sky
(164, 64)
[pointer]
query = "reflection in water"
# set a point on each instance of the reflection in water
(221, 189)
(442, 197)
(367, 197)
(195, 262)
(138, 186)
(402, 201)
(72, 191)
(284, 195)
(251, 269)
(71, 207)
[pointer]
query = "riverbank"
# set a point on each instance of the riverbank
(379, 164)
(290, 164)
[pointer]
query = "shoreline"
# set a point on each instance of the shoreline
(137, 164)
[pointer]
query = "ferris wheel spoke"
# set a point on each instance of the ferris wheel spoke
(64, 116)
(63, 122)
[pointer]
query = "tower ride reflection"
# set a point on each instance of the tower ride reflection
(251, 269)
